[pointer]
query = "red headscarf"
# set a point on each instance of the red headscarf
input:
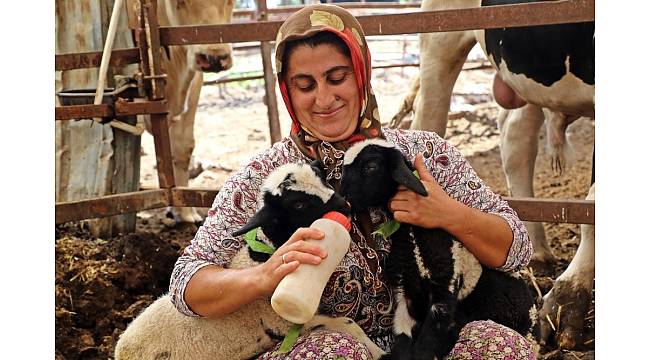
(305, 23)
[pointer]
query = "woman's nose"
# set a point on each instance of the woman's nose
(325, 97)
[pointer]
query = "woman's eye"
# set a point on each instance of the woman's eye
(337, 78)
(304, 84)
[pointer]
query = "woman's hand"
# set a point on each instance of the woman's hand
(429, 212)
(289, 256)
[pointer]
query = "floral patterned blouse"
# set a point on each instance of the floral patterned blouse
(357, 289)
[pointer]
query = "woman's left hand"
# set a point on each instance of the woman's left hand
(432, 211)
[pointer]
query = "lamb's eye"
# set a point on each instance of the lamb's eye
(298, 205)
(370, 167)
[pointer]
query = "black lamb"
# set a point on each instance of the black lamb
(439, 286)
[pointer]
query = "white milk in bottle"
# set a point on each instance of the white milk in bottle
(297, 296)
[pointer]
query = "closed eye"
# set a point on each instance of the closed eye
(298, 205)
(338, 76)
(370, 167)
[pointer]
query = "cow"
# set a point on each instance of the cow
(184, 66)
(543, 73)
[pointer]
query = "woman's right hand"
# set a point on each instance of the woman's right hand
(295, 251)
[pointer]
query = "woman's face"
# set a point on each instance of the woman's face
(323, 91)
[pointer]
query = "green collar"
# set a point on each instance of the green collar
(256, 245)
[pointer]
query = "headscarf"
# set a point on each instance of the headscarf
(305, 23)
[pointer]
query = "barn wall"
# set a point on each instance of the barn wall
(92, 159)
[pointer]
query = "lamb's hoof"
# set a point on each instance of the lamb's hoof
(563, 313)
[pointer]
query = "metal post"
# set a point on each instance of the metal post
(148, 39)
(270, 98)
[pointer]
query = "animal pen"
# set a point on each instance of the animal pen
(148, 96)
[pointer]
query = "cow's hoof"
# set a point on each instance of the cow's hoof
(182, 215)
(563, 314)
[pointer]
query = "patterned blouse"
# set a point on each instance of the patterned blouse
(357, 289)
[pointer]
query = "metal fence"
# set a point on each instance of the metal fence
(150, 37)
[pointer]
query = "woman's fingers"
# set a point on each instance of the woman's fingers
(301, 258)
(297, 243)
(305, 234)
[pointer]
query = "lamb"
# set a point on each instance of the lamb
(294, 196)
(439, 286)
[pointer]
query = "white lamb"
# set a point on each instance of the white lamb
(161, 332)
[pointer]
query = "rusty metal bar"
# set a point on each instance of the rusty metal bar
(188, 197)
(368, 5)
(83, 112)
(111, 205)
(125, 108)
(529, 14)
(147, 36)
(554, 211)
(122, 108)
(119, 57)
(528, 209)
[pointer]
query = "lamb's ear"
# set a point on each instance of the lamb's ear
(262, 216)
(401, 173)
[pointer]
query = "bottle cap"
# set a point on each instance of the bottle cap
(339, 218)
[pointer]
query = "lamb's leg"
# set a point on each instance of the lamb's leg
(438, 333)
(346, 325)
(403, 325)
(571, 294)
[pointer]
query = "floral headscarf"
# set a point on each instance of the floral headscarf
(305, 23)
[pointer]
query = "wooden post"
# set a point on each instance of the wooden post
(148, 39)
(270, 99)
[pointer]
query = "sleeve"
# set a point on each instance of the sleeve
(236, 202)
(457, 177)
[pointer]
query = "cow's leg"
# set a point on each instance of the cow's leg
(181, 132)
(570, 296)
(519, 131)
(441, 59)
(407, 104)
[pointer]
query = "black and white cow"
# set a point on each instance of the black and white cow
(544, 73)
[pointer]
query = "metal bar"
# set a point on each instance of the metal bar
(82, 111)
(528, 209)
(554, 211)
(270, 99)
(350, 5)
(198, 197)
(119, 57)
(529, 14)
(111, 205)
(125, 108)
(149, 44)
(122, 108)
(151, 30)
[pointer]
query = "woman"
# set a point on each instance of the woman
(323, 66)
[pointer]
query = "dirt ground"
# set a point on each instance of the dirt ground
(102, 284)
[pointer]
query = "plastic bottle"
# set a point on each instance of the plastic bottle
(297, 296)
